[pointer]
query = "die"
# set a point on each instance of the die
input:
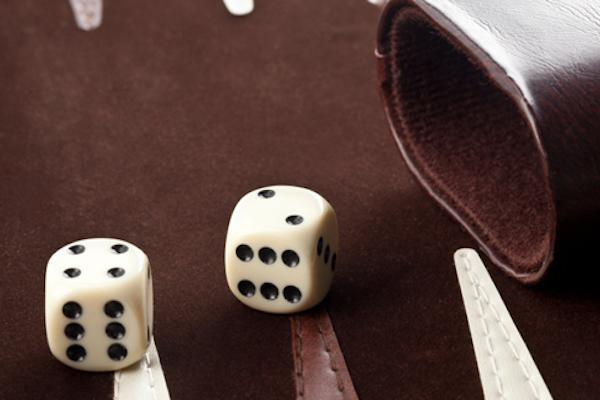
(98, 304)
(281, 249)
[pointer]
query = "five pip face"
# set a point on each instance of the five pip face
(98, 304)
(281, 249)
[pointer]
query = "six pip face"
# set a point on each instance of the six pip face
(280, 257)
(281, 249)
(98, 304)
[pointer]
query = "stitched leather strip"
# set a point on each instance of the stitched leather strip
(506, 368)
(142, 380)
(320, 371)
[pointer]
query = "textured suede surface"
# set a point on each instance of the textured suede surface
(151, 128)
(470, 140)
(482, 84)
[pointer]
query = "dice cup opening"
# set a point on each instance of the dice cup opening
(469, 142)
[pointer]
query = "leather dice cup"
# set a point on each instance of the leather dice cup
(493, 113)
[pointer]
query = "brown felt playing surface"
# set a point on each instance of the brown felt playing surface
(151, 128)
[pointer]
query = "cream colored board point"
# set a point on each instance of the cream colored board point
(506, 368)
(87, 13)
(239, 7)
(144, 380)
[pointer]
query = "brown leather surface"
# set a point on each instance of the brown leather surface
(495, 107)
(320, 371)
(153, 126)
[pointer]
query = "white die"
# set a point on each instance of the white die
(98, 304)
(281, 249)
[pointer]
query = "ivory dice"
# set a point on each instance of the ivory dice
(281, 249)
(98, 304)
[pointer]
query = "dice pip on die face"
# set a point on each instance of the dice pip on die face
(281, 249)
(98, 304)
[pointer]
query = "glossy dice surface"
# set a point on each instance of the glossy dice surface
(281, 249)
(98, 304)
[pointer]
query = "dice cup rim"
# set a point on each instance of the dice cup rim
(399, 12)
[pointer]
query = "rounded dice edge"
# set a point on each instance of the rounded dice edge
(58, 292)
(327, 224)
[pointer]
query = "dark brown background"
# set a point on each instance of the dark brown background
(150, 129)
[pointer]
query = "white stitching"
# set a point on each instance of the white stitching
(480, 294)
(147, 366)
(514, 350)
(117, 385)
(534, 389)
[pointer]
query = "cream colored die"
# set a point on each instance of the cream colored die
(281, 249)
(98, 304)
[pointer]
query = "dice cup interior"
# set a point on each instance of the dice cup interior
(483, 133)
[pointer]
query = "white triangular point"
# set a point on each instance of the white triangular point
(143, 380)
(506, 368)
(378, 2)
(239, 7)
(88, 13)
